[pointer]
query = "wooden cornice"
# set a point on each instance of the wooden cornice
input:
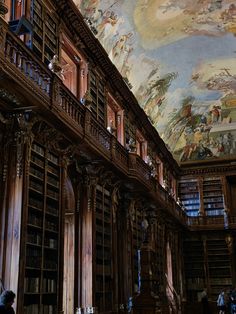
(209, 169)
(75, 23)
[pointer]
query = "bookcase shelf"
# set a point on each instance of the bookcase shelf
(104, 271)
(45, 35)
(213, 199)
(43, 230)
(97, 92)
(219, 265)
(189, 196)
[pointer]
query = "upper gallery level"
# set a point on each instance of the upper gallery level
(51, 64)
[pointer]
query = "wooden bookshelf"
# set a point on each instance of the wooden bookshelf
(219, 265)
(45, 33)
(194, 267)
(97, 92)
(43, 230)
(130, 130)
(103, 225)
(213, 198)
(189, 196)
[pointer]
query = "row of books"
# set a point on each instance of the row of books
(214, 205)
(50, 225)
(34, 219)
(36, 186)
(51, 243)
(49, 285)
(191, 201)
(34, 309)
(34, 238)
(32, 284)
(211, 212)
(213, 199)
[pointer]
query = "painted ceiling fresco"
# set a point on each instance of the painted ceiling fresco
(179, 58)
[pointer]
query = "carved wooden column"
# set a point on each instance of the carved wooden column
(115, 249)
(5, 142)
(87, 205)
(18, 135)
(146, 302)
(3, 32)
(123, 256)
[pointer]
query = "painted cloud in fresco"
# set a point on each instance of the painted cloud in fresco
(179, 57)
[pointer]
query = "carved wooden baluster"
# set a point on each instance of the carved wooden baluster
(48, 83)
(37, 75)
(8, 51)
(22, 59)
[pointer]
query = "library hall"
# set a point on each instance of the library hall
(117, 157)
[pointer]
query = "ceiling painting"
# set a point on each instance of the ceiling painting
(179, 59)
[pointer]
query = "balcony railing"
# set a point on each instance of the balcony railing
(209, 222)
(17, 54)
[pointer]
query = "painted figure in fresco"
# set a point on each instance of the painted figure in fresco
(87, 7)
(230, 14)
(109, 19)
(121, 52)
(215, 114)
(203, 152)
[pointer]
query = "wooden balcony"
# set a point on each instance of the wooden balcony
(35, 85)
(211, 223)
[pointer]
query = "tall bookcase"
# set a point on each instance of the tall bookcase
(42, 235)
(104, 271)
(213, 196)
(45, 34)
(194, 267)
(189, 196)
(97, 92)
(219, 265)
(130, 130)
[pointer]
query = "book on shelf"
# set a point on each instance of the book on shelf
(49, 285)
(32, 284)
(31, 309)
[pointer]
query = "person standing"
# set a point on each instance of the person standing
(6, 300)
(221, 302)
(204, 301)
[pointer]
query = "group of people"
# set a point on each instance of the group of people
(226, 302)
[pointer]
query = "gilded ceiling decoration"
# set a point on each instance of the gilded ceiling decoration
(179, 59)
